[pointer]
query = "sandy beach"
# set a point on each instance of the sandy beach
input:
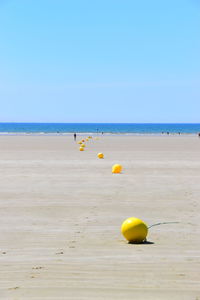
(61, 211)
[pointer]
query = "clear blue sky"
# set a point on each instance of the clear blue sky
(99, 61)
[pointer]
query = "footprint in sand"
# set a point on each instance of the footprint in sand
(72, 242)
(61, 252)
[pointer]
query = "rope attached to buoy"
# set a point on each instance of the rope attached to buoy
(163, 223)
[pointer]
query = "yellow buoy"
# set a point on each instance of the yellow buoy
(83, 145)
(116, 168)
(100, 155)
(80, 142)
(134, 230)
(87, 140)
(83, 141)
(81, 149)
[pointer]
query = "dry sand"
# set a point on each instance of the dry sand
(61, 212)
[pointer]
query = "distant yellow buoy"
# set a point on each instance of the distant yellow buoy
(134, 230)
(87, 140)
(100, 155)
(116, 168)
(80, 142)
(83, 141)
(81, 149)
(83, 145)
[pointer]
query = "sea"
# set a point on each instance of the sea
(98, 128)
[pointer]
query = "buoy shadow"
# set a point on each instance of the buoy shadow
(143, 243)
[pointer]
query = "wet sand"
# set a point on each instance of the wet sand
(61, 212)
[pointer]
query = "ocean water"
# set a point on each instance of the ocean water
(106, 128)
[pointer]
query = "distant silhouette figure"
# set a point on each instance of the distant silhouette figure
(75, 136)
(199, 134)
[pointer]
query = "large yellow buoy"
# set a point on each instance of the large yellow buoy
(81, 149)
(100, 155)
(116, 168)
(134, 230)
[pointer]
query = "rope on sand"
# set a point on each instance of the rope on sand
(163, 223)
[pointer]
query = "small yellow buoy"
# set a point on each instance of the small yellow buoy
(83, 141)
(83, 145)
(80, 142)
(87, 140)
(81, 149)
(134, 230)
(116, 168)
(100, 155)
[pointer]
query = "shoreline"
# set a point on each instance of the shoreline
(96, 134)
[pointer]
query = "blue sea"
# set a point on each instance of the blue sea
(106, 128)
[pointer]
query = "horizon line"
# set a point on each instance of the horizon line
(99, 122)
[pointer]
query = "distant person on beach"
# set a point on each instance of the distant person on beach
(75, 136)
(199, 134)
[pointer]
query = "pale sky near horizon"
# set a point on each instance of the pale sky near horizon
(100, 61)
